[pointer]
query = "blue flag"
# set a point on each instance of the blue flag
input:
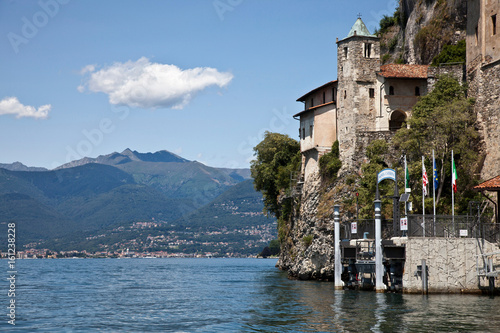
(436, 182)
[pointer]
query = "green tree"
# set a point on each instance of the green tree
(442, 120)
(274, 246)
(276, 157)
(376, 152)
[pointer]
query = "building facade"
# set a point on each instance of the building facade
(367, 97)
(318, 125)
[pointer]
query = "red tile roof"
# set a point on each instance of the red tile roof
(404, 71)
(492, 184)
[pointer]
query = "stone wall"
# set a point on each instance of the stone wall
(484, 87)
(454, 70)
(363, 139)
(483, 75)
(451, 265)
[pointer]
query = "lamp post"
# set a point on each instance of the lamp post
(338, 264)
(379, 268)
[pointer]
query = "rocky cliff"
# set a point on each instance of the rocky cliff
(307, 245)
(423, 28)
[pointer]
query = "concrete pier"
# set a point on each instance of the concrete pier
(454, 265)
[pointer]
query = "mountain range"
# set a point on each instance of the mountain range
(94, 194)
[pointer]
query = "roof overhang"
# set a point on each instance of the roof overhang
(492, 184)
(313, 108)
(303, 98)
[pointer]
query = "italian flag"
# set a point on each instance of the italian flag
(454, 175)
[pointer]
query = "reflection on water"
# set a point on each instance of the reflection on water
(222, 295)
(307, 306)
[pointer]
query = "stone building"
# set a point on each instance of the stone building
(367, 101)
(483, 75)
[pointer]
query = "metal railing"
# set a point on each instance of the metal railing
(460, 226)
(365, 229)
(464, 226)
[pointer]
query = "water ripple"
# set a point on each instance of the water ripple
(222, 295)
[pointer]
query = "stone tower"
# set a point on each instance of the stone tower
(358, 61)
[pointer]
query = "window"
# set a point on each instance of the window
(300, 136)
(311, 130)
(345, 52)
(372, 93)
(417, 91)
(345, 94)
(368, 50)
(312, 102)
(334, 94)
(303, 132)
(324, 97)
(391, 90)
(494, 24)
(477, 35)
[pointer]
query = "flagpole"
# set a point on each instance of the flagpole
(434, 190)
(423, 199)
(406, 177)
(452, 196)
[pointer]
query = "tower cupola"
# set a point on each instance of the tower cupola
(359, 29)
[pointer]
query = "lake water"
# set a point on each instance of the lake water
(219, 295)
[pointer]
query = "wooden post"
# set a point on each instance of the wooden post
(425, 286)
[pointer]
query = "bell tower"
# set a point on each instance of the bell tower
(358, 61)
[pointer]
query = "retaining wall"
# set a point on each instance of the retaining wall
(452, 265)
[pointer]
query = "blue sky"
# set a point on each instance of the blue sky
(203, 79)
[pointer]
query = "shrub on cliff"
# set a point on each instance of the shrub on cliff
(277, 156)
(386, 22)
(451, 54)
(330, 164)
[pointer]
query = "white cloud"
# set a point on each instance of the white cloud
(87, 69)
(144, 84)
(11, 105)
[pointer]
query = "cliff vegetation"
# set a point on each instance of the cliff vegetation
(419, 30)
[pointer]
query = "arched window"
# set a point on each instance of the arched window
(398, 117)
(391, 90)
